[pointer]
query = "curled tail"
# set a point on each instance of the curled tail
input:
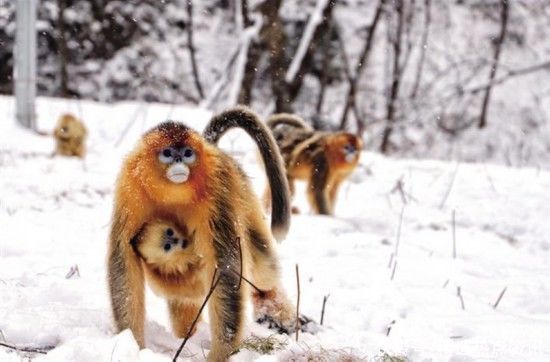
(287, 119)
(244, 118)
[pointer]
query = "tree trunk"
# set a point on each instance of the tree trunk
(494, 67)
(252, 59)
(396, 78)
(363, 59)
(275, 40)
(324, 71)
(62, 49)
(424, 45)
(191, 48)
(303, 62)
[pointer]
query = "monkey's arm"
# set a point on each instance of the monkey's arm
(318, 190)
(126, 283)
(243, 117)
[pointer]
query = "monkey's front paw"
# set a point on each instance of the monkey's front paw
(295, 210)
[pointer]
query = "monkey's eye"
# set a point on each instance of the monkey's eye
(166, 155)
(64, 129)
(349, 148)
(188, 155)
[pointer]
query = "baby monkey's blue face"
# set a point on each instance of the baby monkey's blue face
(171, 241)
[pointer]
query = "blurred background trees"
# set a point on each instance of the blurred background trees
(463, 79)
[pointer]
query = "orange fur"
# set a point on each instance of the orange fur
(70, 136)
(304, 167)
(215, 205)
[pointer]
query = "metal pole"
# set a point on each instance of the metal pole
(25, 62)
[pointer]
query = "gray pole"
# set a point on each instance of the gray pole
(25, 62)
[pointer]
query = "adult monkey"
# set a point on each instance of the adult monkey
(323, 159)
(177, 176)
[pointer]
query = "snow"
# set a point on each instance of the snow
(501, 232)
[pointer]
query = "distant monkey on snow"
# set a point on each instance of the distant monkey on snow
(70, 136)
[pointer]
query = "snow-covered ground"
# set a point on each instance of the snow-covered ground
(54, 215)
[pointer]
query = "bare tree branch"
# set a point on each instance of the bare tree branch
(191, 48)
(494, 67)
(302, 62)
(423, 46)
(508, 75)
(62, 46)
(325, 69)
(41, 350)
(396, 78)
(353, 79)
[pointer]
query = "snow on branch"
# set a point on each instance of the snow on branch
(248, 34)
(314, 21)
(236, 62)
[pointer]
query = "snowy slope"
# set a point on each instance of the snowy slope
(54, 214)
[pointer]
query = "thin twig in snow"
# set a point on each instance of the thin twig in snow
(448, 191)
(391, 260)
(325, 298)
(454, 234)
(388, 330)
(499, 298)
(213, 285)
(297, 303)
(446, 283)
(399, 230)
(459, 295)
(393, 270)
(73, 272)
(241, 262)
(41, 350)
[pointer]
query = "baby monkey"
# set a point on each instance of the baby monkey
(173, 268)
(323, 159)
(70, 136)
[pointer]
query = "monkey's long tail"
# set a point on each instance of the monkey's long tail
(245, 118)
(287, 119)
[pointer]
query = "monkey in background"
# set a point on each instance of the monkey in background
(323, 159)
(70, 136)
(176, 179)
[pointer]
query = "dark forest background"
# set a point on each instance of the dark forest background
(462, 79)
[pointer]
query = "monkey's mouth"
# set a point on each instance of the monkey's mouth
(178, 173)
(350, 156)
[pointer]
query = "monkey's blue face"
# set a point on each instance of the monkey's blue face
(350, 152)
(178, 160)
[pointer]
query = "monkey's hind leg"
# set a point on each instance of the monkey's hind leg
(226, 314)
(182, 315)
(272, 307)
